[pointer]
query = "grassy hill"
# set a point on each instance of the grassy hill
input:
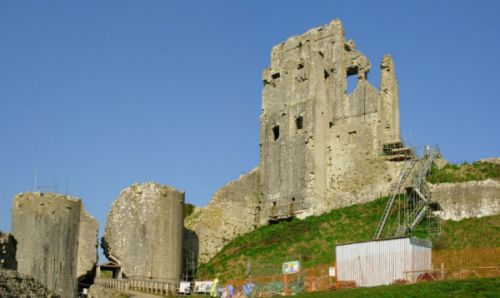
(312, 240)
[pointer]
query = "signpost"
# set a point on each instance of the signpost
(291, 267)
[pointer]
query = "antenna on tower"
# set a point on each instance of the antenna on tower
(54, 187)
(36, 187)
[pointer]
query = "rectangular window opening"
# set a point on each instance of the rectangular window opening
(275, 76)
(276, 132)
(299, 122)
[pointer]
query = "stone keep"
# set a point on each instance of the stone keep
(319, 145)
(46, 227)
(144, 231)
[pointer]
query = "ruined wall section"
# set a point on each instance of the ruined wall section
(467, 199)
(46, 227)
(356, 172)
(144, 231)
(297, 99)
(233, 211)
(87, 247)
(7, 251)
(389, 131)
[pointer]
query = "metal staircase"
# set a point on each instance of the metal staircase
(415, 204)
(395, 192)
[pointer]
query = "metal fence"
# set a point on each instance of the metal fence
(155, 286)
(462, 263)
(446, 264)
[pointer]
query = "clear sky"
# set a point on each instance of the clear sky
(97, 95)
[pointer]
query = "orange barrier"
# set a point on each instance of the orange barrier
(447, 264)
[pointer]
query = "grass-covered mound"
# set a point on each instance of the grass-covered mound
(452, 173)
(313, 239)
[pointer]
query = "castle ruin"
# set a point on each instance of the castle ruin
(320, 147)
(312, 132)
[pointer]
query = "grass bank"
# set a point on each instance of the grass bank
(487, 287)
(452, 173)
(313, 239)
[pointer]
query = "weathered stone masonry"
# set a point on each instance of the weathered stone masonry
(314, 137)
(56, 240)
(233, 211)
(144, 231)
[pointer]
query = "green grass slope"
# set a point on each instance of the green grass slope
(487, 287)
(313, 239)
(464, 172)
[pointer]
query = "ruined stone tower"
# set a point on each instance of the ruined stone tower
(313, 134)
(144, 231)
(56, 240)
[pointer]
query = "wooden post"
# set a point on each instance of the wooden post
(285, 277)
(337, 285)
(311, 287)
(442, 271)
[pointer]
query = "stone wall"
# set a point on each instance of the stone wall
(7, 251)
(232, 211)
(144, 231)
(467, 199)
(87, 247)
(14, 284)
(100, 292)
(46, 227)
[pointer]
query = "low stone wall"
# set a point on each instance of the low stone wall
(101, 292)
(7, 251)
(467, 199)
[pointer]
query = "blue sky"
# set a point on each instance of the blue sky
(101, 94)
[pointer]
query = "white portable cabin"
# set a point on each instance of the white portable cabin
(382, 262)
